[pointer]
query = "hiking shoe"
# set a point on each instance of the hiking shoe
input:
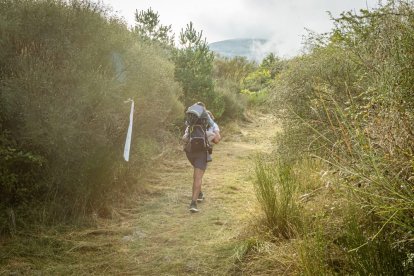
(193, 207)
(200, 197)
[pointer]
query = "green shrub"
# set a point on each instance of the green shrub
(370, 252)
(229, 74)
(349, 102)
(234, 102)
(314, 254)
(66, 70)
(255, 99)
(305, 93)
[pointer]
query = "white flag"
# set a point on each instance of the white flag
(129, 134)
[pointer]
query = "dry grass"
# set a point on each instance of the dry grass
(155, 234)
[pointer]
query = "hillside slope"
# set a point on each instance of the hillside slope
(252, 49)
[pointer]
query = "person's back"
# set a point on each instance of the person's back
(196, 122)
(197, 147)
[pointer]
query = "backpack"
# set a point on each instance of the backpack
(196, 121)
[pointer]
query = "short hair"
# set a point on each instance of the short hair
(201, 103)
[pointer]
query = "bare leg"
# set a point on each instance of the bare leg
(197, 180)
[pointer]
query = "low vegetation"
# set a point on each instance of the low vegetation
(335, 190)
(66, 70)
(347, 107)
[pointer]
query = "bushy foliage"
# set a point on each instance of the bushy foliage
(349, 102)
(235, 69)
(193, 70)
(257, 80)
(228, 74)
(255, 86)
(308, 90)
(66, 70)
(273, 63)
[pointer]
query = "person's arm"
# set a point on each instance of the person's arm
(216, 131)
(185, 137)
(210, 121)
(215, 128)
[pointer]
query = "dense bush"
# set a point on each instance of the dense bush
(307, 93)
(228, 74)
(349, 102)
(66, 69)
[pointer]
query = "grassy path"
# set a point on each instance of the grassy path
(156, 234)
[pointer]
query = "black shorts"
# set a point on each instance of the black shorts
(198, 159)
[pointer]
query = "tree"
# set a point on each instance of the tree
(194, 68)
(148, 27)
(272, 63)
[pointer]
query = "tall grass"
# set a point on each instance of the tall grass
(348, 102)
(276, 191)
(367, 255)
(314, 254)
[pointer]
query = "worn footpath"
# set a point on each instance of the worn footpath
(156, 234)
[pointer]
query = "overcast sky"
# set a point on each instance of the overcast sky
(283, 22)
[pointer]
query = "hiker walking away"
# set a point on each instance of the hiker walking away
(200, 128)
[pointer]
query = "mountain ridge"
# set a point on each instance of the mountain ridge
(251, 48)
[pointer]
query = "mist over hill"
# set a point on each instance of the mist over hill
(252, 49)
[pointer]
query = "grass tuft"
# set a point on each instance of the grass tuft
(276, 190)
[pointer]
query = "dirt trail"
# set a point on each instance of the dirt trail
(177, 242)
(158, 235)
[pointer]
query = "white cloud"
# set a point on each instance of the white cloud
(283, 22)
